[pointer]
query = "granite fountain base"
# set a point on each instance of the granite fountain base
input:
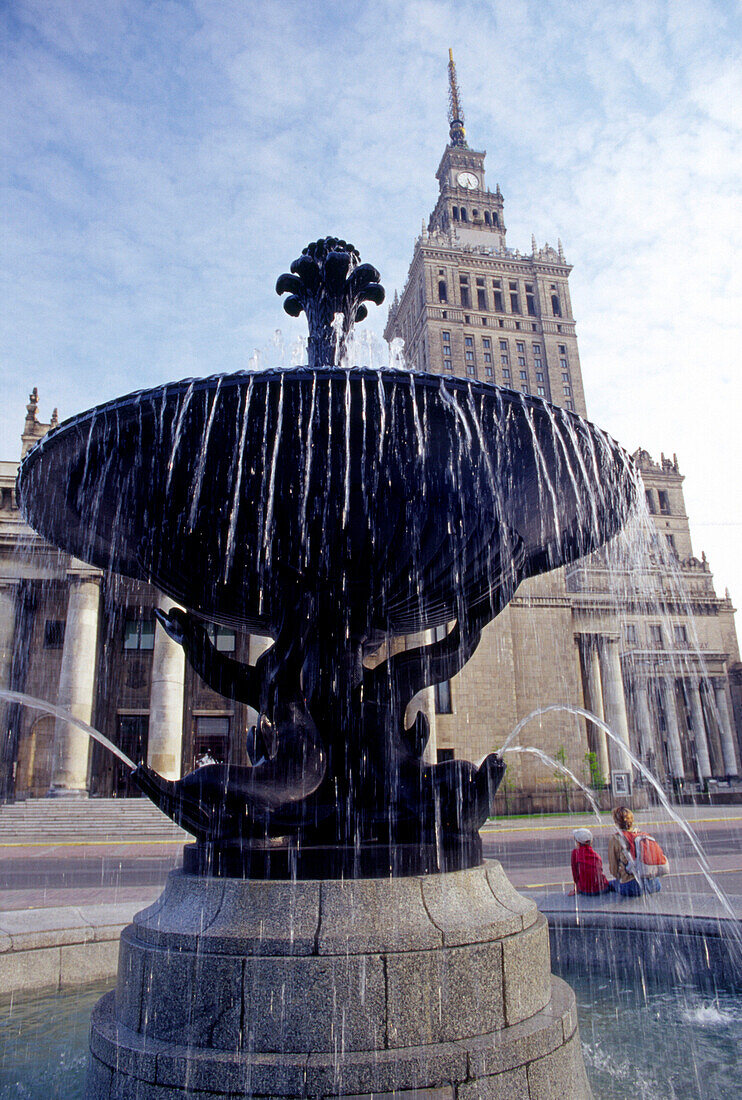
(436, 987)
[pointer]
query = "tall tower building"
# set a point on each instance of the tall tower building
(653, 659)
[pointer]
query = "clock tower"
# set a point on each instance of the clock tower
(465, 206)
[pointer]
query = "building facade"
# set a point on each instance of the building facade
(637, 636)
(644, 643)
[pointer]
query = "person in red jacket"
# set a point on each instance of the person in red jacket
(587, 866)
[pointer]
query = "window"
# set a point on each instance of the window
(488, 371)
(569, 405)
(486, 342)
(556, 309)
(464, 288)
(486, 217)
(538, 364)
(481, 295)
(446, 337)
(563, 364)
(495, 219)
(469, 341)
(655, 634)
(630, 633)
(514, 302)
(487, 357)
(211, 737)
(442, 291)
(562, 349)
(470, 369)
(505, 372)
(521, 360)
(530, 301)
(139, 634)
(524, 374)
(503, 345)
(463, 214)
(524, 388)
(221, 637)
(565, 376)
(484, 321)
(447, 365)
(504, 360)
(442, 691)
(536, 349)
(520, 346)
(541, 391)
(539, 376)
(470, 356)
(671, 544)
(497, 296)
(455, 212)
(53, 634)
(680, 634)
(664, 502)
(650, 501)
(444, 755)
(567, 391)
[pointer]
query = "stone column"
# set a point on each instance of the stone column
(591, 664)
(644, 723)
(725, 728)
(165, 739)
(674, 747)
(699, 728)
(614, 701)
(7, 632)
(76, 687)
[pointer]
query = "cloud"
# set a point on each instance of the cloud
(165, 162)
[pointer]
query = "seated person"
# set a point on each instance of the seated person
(621, 853)
(587, 866)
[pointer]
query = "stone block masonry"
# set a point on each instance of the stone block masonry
(429, 988)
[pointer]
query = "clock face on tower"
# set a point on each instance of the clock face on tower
(467, 180)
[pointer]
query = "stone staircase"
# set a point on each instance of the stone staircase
(93, 819)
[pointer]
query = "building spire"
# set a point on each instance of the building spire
(455, 112)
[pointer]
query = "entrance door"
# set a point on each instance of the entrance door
(132, 731)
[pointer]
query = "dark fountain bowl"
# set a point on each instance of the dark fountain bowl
(405, 497)
(331, 509)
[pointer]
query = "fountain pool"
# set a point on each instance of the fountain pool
(623, 1025)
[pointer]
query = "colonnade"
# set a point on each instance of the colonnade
(606, 691)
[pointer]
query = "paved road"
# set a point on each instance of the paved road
(534, 851)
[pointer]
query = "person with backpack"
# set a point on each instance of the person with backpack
(587, 866)
(636, 860)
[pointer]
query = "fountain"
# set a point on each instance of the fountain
(334, 931)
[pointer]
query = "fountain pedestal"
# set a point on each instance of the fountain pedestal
(436, 986)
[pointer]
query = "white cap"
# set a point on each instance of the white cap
(583, 836)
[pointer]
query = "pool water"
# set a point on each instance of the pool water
(642, 1043)
(44, 1043)
(639, 1043)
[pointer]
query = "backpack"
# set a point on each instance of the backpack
(644, 856)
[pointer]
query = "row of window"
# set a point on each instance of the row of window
(505, 365)
(656, 634)
(663, 497)
(139, 634)
(460, 215)
(493, 298)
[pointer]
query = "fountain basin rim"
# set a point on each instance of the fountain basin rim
(199, 384)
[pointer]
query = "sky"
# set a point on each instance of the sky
(163, 161)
